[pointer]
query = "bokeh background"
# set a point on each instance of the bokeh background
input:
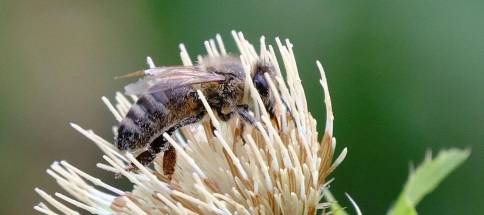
(405, 77)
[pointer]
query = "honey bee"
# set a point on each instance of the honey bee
(168, 100)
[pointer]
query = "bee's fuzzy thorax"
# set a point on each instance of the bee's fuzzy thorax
(278, 165)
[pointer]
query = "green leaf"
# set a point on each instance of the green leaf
(426, 178)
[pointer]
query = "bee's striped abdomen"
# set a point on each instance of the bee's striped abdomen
(146, 118)
(155, 113)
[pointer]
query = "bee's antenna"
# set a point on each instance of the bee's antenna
(130, 75)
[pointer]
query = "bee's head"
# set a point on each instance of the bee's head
(261, 84)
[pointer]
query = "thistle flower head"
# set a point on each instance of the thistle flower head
(278, 166)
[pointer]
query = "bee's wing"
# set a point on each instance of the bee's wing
(164, 78)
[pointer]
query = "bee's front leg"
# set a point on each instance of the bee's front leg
(244, 113)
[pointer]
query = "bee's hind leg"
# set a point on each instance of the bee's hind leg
(160, 144)
(169, 162)
(169, 155)
(146, 157)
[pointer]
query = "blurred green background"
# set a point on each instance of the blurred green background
(405, 77)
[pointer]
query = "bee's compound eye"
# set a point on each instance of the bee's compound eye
(261, 84)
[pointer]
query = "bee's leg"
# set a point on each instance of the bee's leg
(161, 144)
(224, 117)
(169, 161)
(244, 113)
(147, 157)
(169, 155)
(284, 103)
(272, 112)
(158, 145)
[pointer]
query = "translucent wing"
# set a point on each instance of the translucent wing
(164, 78)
